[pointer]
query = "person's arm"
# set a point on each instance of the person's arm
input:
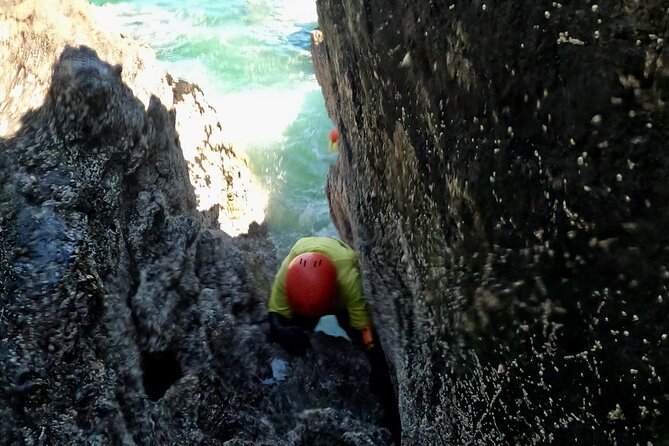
(291, 337)
(278, 302)
(356, 305)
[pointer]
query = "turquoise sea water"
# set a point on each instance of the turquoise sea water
(252, 60)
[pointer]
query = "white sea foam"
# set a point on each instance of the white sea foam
(259, 117)
(242, 111)
(296, 11)
(150, 24)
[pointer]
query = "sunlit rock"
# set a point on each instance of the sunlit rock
(33, 35)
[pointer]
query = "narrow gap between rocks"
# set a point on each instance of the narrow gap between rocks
(159, 370)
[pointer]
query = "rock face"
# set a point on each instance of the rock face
(503, 174)
(32, 35)
(126, 315)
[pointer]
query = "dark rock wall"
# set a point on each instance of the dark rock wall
(126, 315)
(503, 173)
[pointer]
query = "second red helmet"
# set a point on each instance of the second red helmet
(310, 284)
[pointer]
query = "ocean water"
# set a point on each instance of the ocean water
(252, 60)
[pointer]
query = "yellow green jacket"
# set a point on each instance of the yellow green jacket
(348, 295)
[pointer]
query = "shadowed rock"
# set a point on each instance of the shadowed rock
(125, 317)
(503, 174)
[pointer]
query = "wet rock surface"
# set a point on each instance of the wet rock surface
(502, 173)
(126, 315)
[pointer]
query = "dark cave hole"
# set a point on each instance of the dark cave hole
(160, 371)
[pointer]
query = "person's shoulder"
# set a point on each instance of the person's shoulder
(327, 245)
(321, 241)
(340, 247)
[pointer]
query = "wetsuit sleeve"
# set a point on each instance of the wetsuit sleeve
(278, 302)
(356, 304)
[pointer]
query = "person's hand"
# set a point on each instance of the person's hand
(366, 337)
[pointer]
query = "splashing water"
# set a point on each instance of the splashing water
(252, 60)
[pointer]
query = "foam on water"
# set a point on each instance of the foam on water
(261, 116)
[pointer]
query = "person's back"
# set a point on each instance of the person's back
(347, 294)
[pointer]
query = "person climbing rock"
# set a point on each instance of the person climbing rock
(321, 276)
(334, 140)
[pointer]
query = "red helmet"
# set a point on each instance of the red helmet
(310, 284)
(334, 136)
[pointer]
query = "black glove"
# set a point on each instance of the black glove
(292, 338)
